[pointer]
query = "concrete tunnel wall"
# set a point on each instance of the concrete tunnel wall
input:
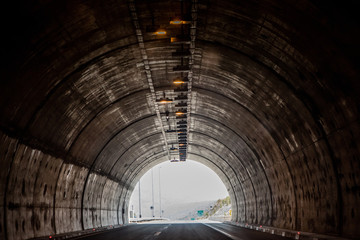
(274, 111)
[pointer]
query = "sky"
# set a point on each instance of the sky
(181, 182)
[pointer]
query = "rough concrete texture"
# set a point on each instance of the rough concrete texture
(274, 110)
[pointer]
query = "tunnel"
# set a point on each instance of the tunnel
(268, 98)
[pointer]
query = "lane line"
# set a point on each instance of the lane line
(225, 233)
(157, 234)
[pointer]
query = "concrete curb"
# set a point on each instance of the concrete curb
(287, 233)
(80, 234)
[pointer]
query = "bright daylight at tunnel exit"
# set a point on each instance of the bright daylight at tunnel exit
(187, 191)
(180, 119)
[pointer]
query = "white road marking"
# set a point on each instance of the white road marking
(225, 233)
(157, 234)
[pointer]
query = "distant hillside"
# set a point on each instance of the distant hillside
(186, 211)
(221, 211)
(215, 210)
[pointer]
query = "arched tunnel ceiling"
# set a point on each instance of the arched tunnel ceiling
(274, 105)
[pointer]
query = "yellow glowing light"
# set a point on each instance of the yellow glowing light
(179, 113)
(160, 32)
(177, 22)
(178, 81)
(165, 101)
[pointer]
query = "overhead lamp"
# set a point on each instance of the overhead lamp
(179, 21)
(180, 80)
(182, 144)
(180, 112)
(160, 32)
(164, 100)
(156, 30)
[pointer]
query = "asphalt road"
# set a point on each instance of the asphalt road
(183, 231)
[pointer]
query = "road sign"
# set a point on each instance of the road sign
(200, 213)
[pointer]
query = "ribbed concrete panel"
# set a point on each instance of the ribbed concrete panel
(109, 200)
(44, 190)
(108, 124)
(20, 194)
(106, 74)
(137, 156)
(92, 200)
(311, 167)
(284, 204)
(125, 141)
(348, 160)
(32, 214)
(68, 199)
(8, 147)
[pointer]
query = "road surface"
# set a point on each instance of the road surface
(181, 231)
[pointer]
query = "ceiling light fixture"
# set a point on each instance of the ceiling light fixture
(160, 32)
(180, 112)
(164, 100)
(180, 80)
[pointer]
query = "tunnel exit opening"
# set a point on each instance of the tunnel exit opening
(181, 191)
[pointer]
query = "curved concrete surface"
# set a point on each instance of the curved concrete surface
(272, 107)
